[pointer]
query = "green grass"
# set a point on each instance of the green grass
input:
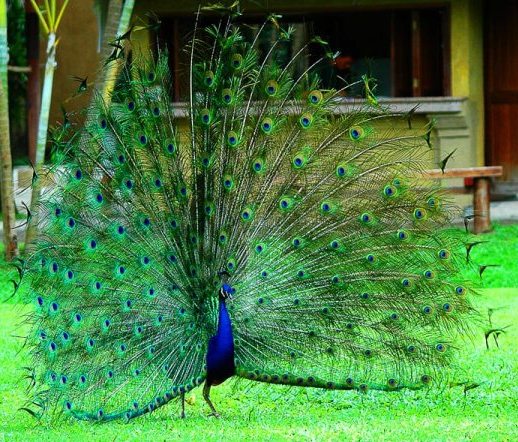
(501, 249)
(263, 412)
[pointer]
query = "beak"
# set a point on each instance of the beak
(230, 297)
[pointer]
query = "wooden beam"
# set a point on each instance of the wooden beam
(464, 172)
(481, 205)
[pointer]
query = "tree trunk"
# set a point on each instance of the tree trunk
(117, 24)
(6, 172)
(46, 98)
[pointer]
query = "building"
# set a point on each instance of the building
(453, 59)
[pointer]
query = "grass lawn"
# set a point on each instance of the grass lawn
(262, 412)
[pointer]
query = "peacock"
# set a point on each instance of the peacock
(270, 229)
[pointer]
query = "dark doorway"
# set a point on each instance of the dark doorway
(501, 86)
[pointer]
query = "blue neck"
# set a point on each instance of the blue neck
(224, 325)
(220, 352)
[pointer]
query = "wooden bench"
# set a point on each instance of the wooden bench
(481, 194)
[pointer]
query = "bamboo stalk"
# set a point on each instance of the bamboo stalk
(112, 70)
(40, 16)
(60, 15)
(50, 19)
(46, 97)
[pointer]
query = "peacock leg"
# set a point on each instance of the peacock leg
(182, 415)
(206, 396)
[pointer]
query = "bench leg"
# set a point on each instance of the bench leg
(481, 201)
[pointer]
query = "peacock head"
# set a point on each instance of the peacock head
(226, 291)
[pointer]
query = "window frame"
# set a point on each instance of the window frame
(416, 62)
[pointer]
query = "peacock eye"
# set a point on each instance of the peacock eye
(258, 166)
(305, 120)
(205, 116)
(440, 348)
(267, 125)
(389, 191)
(355, 133)
(232, 139)
(431, 202)
(402, 235)
(227, 96)
(366, 218)
(419, 214)
(315, 97)
(236, 61)
(209, 78)
(271, 88)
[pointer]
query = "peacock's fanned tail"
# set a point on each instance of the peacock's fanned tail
(343, 275)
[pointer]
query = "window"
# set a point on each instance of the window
(406, 51)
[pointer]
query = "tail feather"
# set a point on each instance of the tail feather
(334, 244)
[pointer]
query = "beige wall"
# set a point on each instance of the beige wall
(76, 55)
(462, 130)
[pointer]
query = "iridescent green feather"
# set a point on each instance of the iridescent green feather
(343, 273)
